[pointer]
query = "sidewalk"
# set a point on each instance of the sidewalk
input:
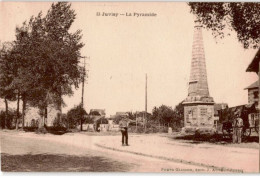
(214, 156)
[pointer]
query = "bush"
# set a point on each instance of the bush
(41, 130)
(10, 119)
(58, 130)
(30, 129)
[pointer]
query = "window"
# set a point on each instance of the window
(255, 94)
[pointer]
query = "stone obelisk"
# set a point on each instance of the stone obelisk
(198, 106)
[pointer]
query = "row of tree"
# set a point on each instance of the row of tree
(43, 63)
(162, 115)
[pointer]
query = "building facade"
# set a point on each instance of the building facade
(32, 116)
(253, 97)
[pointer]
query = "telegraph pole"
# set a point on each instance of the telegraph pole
(83, 85)
(83, 80)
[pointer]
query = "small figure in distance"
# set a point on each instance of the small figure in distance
(123, 124)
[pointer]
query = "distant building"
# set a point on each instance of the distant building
(122, 114)
(253, 88)
(253, 97)
(32, 116)
(101, 112)
(218, 107)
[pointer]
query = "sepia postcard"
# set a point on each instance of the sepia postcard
(158, 87)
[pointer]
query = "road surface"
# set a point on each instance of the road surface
(38, 153)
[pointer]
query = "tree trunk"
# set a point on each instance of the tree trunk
(6, 113)
(17, 112)
(45, 116)
(23, 112)
(59, 107)
(81, 128)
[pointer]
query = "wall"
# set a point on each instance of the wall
(33, 113)
(252, 98)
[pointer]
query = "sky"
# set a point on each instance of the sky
(123, 49)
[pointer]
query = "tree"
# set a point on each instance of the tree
(94, 113)
(164, 114)
(243, 18)
(131, 115)
(7, 71)
(75, 116)
(178, 114)
(50, 56)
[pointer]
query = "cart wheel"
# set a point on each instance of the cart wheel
(247, 132)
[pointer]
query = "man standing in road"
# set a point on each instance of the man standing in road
(123, 124)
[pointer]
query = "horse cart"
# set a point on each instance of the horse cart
(248, 113)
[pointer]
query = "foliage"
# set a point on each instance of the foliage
(89, 119)
(179, 115)
(117, 119)
(166, 115)
(94, 113)
(131, 115)
(243, 18)
(49, 56)
(75, 116)
(163, 114)
(7, 120)
(8, 69)
(42, 64)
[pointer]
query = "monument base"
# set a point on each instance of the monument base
(201, 130)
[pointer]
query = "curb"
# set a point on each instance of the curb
(214, 168)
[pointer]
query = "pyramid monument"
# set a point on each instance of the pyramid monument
(198, 106)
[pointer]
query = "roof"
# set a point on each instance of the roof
(254, 65)
(253, 85)
(228, 114)
(219, 106)
(100, 111)
(100, 119)
(121, 114)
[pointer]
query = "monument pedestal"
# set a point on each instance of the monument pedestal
(199, 115)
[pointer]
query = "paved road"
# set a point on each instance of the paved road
(37, 153)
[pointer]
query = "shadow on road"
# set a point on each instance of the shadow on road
(60, 163)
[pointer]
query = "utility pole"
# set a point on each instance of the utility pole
(83, 85)
(83, 80)
(145, 117)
